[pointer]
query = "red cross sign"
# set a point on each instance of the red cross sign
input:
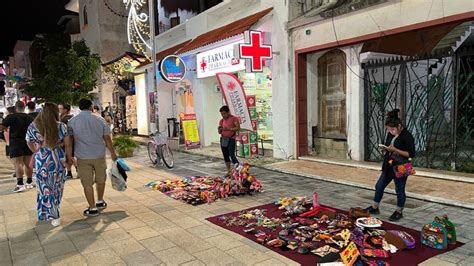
(254, 51)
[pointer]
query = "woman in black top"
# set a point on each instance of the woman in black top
(399, 142)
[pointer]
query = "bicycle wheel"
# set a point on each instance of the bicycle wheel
(167, 156)
(152, 153)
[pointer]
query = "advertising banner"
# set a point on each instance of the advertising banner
(190, 131)
(235, 98)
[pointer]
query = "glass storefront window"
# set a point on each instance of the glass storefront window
(260, 86)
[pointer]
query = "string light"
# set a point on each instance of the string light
(138, 29)
(113, 11)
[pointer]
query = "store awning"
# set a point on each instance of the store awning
(411, 43)
(230, 30)
(128, 57)
(125, 63)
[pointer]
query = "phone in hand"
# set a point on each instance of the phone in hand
(382, 146)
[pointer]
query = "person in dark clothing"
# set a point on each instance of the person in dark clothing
(31, 106)
(64, 117)
(399, 142)
(17, 124)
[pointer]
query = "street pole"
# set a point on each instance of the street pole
(151, 18)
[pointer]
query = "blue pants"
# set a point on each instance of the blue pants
(229, 152)
(383, 182)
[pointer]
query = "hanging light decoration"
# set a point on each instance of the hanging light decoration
(138, 29)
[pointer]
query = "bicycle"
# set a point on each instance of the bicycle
(159, 151)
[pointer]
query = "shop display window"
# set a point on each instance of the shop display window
(260, 86)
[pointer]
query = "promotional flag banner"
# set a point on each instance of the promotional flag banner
(235, 98)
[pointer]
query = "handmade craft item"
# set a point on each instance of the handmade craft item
(205, 189)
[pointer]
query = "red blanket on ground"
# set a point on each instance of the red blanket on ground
(405, 257)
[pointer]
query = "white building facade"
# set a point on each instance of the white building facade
(216, 31)
(355, 62)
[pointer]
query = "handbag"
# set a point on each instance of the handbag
(434, 235)
(450, 228)
(226, 140)
(402, 167)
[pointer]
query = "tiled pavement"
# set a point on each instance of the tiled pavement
(141, 226)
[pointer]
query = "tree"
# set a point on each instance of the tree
(69, 73)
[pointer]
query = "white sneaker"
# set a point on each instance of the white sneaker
(30, 185)
(19, 188)
(56, 222)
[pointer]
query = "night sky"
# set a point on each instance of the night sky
(23, 19)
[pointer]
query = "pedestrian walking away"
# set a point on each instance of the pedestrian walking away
(399, 146)
(31, 106)
(18, 123)
(6, 136)
(91, 137)
(46, 137)
(229, 125)
(96, 110)
(64, 117)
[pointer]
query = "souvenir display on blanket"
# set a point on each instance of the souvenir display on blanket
(205, 189)
(329, 235)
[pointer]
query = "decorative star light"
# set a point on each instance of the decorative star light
(138, 29)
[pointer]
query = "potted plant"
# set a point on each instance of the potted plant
(124, 145)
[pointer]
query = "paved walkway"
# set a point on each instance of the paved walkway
(437, 190)
(141, 226)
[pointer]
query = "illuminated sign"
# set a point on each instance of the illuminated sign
(172, 68)
(254, 51)
(218, 60)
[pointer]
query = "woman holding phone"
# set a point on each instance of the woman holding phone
(228, 128)
(398, 144)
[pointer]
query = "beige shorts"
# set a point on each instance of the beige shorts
(92, 171)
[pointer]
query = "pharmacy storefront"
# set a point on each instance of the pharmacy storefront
(258, 90)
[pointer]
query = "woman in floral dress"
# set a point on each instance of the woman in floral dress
(45, 137)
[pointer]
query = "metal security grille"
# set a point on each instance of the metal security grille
(435, 94)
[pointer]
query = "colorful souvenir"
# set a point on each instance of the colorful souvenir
(407, 238)
(324, 250)
(450, 227)
(369, 222)
(434, 235)
(350, 254)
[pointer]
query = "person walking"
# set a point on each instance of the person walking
(96, 110)
(18, 149)
(91, 136)
(6, 135)
(64, 112)
(108, 118)
(398, 144)
(64, 117)
(46, 137)
(229, 125)
(31, 106)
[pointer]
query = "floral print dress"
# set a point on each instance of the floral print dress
(50, 172)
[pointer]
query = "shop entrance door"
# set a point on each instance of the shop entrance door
(332, 91)
(330, 139)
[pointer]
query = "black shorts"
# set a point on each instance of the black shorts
(18, 148)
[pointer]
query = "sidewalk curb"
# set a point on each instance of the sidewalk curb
(422, 173)
(448, 202)
(427, 198)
